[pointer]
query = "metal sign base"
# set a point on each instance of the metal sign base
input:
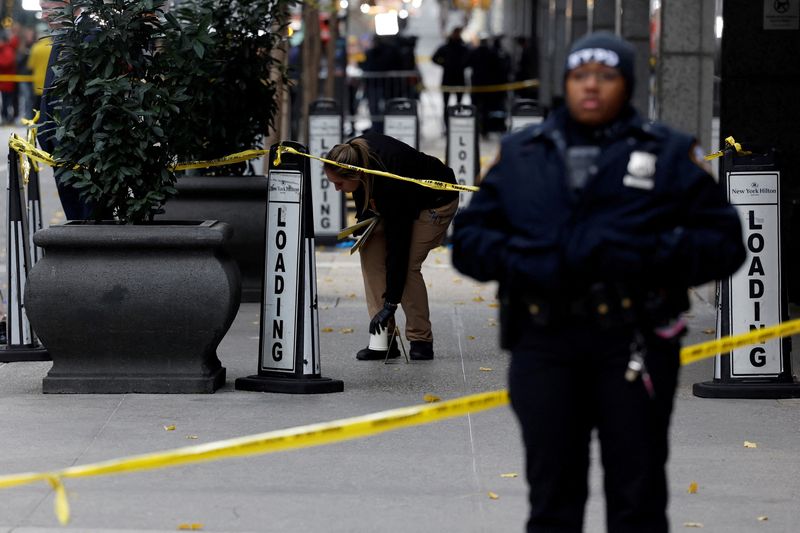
(10, 354)
(289, 385)
(750, 391)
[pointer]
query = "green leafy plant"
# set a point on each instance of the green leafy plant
(116, 106)
(225, 57)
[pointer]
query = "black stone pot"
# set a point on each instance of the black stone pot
(133, 308)
(240, 201)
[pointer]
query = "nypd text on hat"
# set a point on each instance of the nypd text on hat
(603, 56)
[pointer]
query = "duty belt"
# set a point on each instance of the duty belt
(603, 305)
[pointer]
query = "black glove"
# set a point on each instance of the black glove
(381, 319)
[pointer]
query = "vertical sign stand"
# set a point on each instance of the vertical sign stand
(525, 112)
(462, 153)
(289, 359)
(325, 131)
(22, 342)
(400, 121)
(34, 213)
(753, 297)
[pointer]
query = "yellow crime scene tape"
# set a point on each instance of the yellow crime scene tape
(273, 441)
(498, 87)
(16, 77)
(337, 430)
(704, 350)
(730, 144)
(431, 184)
(35, 154)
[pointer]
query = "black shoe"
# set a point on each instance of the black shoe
(376, 355)
(421, 351)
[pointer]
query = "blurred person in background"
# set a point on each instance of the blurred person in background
(38, 59)
(452, 57)
(8, 65)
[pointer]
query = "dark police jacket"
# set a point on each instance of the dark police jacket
(400, 203)
(649, 218)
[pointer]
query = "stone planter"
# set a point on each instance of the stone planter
(133, 308)
(237, 200)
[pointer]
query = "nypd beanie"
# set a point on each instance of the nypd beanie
(607, 49)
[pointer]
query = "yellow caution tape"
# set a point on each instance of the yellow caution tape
(32, 129)
(238, 157)
(16, 77)
(23, 147)
(35, 154)
(704, 350)
(29, 149)
(273, 441)
(499, 87)
(431, 184)
(730, 143)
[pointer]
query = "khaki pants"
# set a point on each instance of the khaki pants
(428, 233)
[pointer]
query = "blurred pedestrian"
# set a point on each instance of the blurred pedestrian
(24, 99)
(8, 65)
(412, 220)
(452, 57)
(595, 224)
(527, 67)
(488, 68)
(38, 60)
(381, 58)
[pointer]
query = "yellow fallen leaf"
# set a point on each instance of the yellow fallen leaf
(169, 428)
(437, 261)
(692, 488)
(192, 437)
(471, 337)
(692, 524)
(493, 496)
(352, 295)
(327, 330)
(457, 280)
(748, 444)
(346, 330)
(328, 280)
(494, 305)
(431, 398)
(459, 303)
(478, 299)
(709, 331)
(510, 475)
(762, 518)
(485, 369)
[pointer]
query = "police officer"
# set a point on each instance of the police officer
(596, 223)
